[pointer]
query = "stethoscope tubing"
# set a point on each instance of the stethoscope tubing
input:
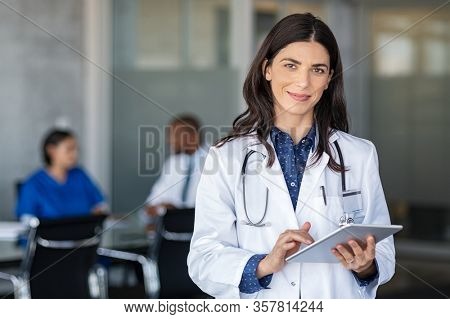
(244, 173)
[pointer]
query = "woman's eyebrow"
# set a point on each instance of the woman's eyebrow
(317, 65)
(291, 60)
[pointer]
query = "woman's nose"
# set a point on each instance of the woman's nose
(302, 80)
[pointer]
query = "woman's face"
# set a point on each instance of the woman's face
(65, 153)
(298, 75)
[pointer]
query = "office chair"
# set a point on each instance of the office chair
(60, 260)
(147, 265)
(175, 235)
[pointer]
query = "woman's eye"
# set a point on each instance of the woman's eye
(290, 66)
(318, 70)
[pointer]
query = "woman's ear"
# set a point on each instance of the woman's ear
(266, 70)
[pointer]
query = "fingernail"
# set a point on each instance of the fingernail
(309, 242)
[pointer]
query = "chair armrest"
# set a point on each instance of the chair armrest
(8, 277)
(117, 254)
(149, 268)
(21, 286)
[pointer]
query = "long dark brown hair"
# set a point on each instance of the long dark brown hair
(330, 112)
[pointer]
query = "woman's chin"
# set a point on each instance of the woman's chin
(296, 110)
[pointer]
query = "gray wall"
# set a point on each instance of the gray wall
(41, 83)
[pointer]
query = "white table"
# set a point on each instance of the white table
(10, 231)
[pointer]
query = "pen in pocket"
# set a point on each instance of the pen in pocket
(324, 195)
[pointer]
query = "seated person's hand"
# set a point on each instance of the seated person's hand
(100, 210)
(157, 209)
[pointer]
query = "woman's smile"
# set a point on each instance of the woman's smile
(299, 97)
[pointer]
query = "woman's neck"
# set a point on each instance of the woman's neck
(59, 173)
(296, 126)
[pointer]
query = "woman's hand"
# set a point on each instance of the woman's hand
(357, 258)
(288, 243)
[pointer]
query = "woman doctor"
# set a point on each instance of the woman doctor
(276, 182)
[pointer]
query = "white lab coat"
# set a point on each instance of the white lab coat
(222, 244)
(169, 186)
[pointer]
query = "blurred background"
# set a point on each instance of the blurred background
(109, 68)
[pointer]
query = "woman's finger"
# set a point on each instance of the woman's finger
(304, 234)
(357, 249)
(348, 256)
(288, 246)
(370, 249)
(296, 236)
(339, 256)
(306, 227)
(302, 231)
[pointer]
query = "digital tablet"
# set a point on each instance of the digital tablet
(320, 251)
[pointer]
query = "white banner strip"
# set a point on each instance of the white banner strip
(80, 309)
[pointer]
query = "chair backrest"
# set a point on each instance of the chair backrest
(177, 228)
(179, 220)
(61, 255)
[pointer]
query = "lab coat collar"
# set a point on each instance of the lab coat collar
(257, 146)
(274, 179)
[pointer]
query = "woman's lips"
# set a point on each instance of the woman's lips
(299, 97)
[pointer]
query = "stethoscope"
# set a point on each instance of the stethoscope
(249, 222)
(260, 222)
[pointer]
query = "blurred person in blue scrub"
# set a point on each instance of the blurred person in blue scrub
(61, 188)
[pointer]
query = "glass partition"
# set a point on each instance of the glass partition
(410, 116)
(170, 57)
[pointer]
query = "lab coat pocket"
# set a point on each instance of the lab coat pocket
(353, 208)
(324, 215)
